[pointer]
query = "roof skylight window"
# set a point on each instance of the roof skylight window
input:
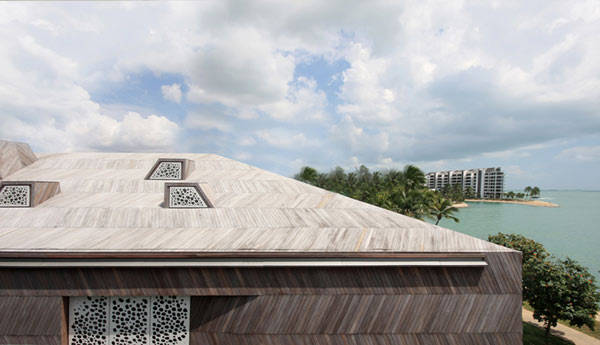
(16, 195)
(185, 195)
(21, 194)
(170, 169)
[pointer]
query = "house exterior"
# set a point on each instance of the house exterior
(137, 248)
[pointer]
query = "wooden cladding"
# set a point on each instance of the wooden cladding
(502, 275)
(280, 306)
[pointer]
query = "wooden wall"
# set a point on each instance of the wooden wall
(295, 305)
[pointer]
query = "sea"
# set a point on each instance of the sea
(571, 230)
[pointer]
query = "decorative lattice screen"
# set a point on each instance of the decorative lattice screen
(156, 320)
(185, 197)
(15, 196)
(167, 171)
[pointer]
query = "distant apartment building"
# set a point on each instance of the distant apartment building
(485, 183)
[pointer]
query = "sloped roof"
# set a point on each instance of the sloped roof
(13, 157)
(106, 205)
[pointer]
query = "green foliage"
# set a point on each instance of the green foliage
(562, 289)
(531, 249)
(400, 191)
(555, 289)
(520, 195)
(527, 191)
(510, 195)
(470, 193)
(442, 208)
(535, 192)
(453, 192)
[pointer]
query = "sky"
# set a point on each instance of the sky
(281, 85)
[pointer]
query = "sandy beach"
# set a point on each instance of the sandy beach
(461, 205)
(537, 203)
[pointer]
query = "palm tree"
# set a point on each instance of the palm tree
(510, 195)
(442, 208)
(527, 191)
(520, 195)
(307, 174)
(535, 192)
(413, 176)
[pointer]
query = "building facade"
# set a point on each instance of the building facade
(485, 183)
(186, 249)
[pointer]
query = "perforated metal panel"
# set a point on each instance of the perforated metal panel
(15, 196)
(129, 320)
(185, 197)
(168, 171)
(88, 320)
(170, 320)
(156, 320)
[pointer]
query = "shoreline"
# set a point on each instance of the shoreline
(536, 203)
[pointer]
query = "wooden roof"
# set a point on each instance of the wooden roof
(106, 205)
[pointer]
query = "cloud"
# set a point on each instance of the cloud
(422, 81)
(581, 153)
(43, 103)
(205, 121)
(172, 92)
(286, 139)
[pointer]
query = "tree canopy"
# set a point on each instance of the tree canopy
(401, 191)
(556, 289)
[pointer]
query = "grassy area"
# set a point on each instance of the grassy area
(585, 329)
(535, 336)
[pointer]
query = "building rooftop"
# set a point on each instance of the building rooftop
(105, 205)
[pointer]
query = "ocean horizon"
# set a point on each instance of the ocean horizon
(570, 230)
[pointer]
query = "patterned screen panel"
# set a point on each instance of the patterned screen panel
(129, 320)
(88, 321)
(185, 197)
(156, 320)
(168, 171)
(15, 196)
(170, 320)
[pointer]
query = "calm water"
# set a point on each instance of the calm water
(572, 230)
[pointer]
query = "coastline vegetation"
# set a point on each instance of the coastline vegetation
(401, 191)
(556, 289)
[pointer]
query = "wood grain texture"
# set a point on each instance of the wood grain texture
(362, 339)
(30, 316)
(357, 314)
(501, 276)
(13, 157)
(292, 305)
(64, 321)
(105, 204)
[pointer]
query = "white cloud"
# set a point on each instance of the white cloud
(286, 139)
(42, 103)
(172, 92)
(206, 121)
(581, 153)
(513, 170)
(303, 102)
(427, 81)
(247, 141)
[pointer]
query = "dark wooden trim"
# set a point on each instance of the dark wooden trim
(126, 255)
(64, 325)
(187, 166)
(167, 195)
